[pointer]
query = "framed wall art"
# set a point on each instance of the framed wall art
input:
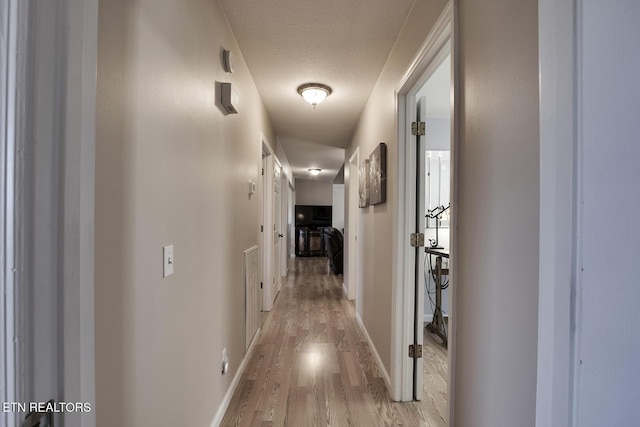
(378, 175)
(364, 183)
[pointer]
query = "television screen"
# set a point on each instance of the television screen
(313, 216)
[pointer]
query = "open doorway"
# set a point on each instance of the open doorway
(267, 227)
(424, 277)
(433, 200)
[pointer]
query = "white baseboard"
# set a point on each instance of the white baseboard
(345, 291)
(376, 356)
(224, 405)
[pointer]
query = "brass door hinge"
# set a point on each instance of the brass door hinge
(415, 351)
(418, 128)
(417, 240)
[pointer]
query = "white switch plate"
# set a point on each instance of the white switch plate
(167, 253)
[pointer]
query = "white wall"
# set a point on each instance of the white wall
(338, 207)
(171, 168)
(498, 212)
(313, 192)
(607, 342)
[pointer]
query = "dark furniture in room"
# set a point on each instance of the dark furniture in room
(309, 242)
(334, 242)
(309, 221)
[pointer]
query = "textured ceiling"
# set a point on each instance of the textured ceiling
(341, 43)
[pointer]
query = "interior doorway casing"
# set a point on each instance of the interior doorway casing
(404, 297)
(276, 190)
(267, 221)
(284, 225)
(352, 265)
(52, 340)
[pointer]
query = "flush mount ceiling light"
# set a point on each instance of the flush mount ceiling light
(314, 93)
(315, 171)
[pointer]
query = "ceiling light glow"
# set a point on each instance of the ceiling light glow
(314, 93)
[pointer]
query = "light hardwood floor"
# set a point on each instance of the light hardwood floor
(312, 366)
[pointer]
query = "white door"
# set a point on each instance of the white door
(420, 224)
(284, 226)
(267, 229)
(277, 230)
(433, 168)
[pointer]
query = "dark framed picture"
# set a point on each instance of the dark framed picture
(364, 183)
(378, 175)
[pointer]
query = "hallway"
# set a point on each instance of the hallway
(312, 365)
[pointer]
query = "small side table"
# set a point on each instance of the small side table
(437, 325)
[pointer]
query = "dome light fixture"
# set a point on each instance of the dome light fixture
(314, 93)
(314, 171)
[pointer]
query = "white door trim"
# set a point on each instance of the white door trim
(74, 76)
(277, 226)
(81, 27)
(12, 298)
(284, 226)
(352, 276)
(266, 242)
(403, 296)
(558, 41)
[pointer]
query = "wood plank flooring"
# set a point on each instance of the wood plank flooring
(312, 366)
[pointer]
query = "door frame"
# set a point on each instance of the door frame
(10, 287)
(76, 22)
(284, 225)
(267, 164)
(559, 39)
(352, 265)
(277, 225)
(443, 32)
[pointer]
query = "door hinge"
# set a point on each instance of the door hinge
(415, 351)
(262, 171)
(417, 128)
(262, 228)
(260, 285)
(417, 240)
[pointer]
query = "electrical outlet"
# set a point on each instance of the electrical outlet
(225, 361)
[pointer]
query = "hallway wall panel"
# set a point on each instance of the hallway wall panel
(498, 215)
(171, 168)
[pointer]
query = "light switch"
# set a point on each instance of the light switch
(167, 252)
